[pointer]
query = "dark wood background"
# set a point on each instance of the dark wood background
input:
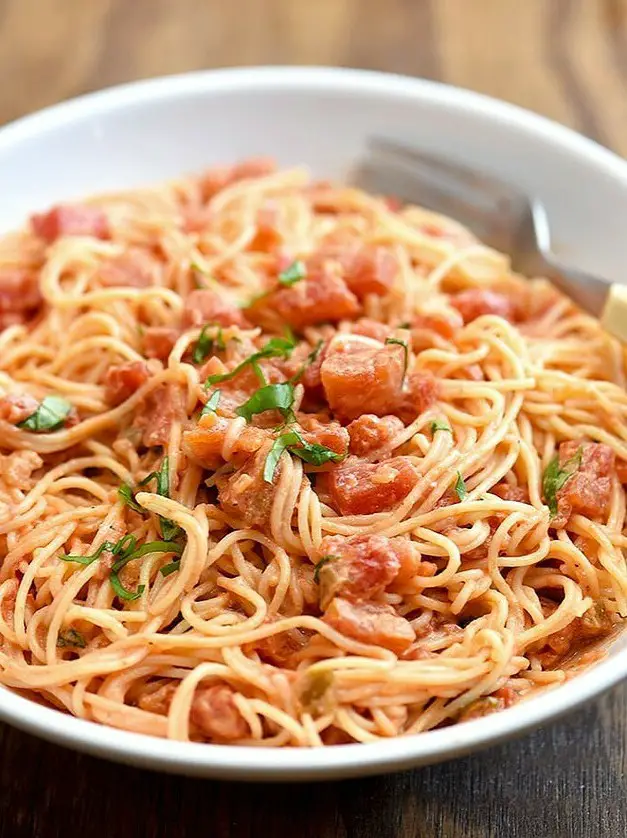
(566, 59)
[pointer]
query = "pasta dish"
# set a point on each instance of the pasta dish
(287, 464)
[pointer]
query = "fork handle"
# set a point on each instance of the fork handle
(589, 292)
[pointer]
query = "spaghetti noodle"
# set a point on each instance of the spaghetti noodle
(288, 464)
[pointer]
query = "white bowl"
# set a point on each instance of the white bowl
(154, 130)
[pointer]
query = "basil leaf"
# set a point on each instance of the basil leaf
(279, 445)
(205, 343)
(324, 560)
(293, 274)
(438, 425)
(50, 415)
(211, 404)
(280, 347)
(71, 638)
(399, 342)
(125, 493)
(555, 476)
(162, 478)
(132, 554)
(460, 487)
(169, 530)
(292, 441)
(271, 397)
(109, 546)
(171, 567)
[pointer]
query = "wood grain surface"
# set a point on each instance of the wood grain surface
(566, 59)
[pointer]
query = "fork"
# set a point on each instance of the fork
(500, 214)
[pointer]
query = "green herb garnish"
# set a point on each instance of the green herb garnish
(50, 415)
(171, 567)
(271, 397)
(71, 638)
(324, 560)
(206, 343)
(460, 487)
(555, 476)
(169, 530)
(275, 348)
(438, 425)
(293, 274)
(211, 404)
(125, 493)
(399, 342)
(293, 442)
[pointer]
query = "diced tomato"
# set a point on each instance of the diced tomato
(588, 490)
(122, 380)
(158, 341)
(359, 488)
(156, 414)
(280, 649)
(371, 329)
(215, 714)
(479, 301)
(268, 237)
(70, 220)
(595, 623)
(445, 325)
(158, 701)
(133, 269)
(370, 433)
(245, 495)
(15, 408)
(364, 381)
(237, 390)
(20, 297)
(359, 567)
(219, 178)
(371, 622)
(320, 298)
(207, 306)
(421, 392)
(508, 492)
(17, 467)
(205, 442)
(370, 270)
(324, 432)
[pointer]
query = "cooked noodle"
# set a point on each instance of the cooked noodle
(479, 589)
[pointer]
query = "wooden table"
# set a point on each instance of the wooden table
(563, 58)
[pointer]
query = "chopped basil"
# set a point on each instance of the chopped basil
(125, 493)
(131, 553)
(50, 415)
(460, 487)
(308, 361)
(280, 347)
(324, 560)
(162, 478)
(399, 342)
(206, 343)
(556, 475)
(71, 638)
(169, 530)
(211, 404)
(171, 567)
(109, 546)
(438, 425)
(271, 397)
(405, 325)
(293, 274)
(293, 442)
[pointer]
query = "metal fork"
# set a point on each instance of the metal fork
(500, 214)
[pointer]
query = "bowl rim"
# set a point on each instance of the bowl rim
(252, 763)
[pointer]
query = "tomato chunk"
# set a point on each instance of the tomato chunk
(158, 341)
(359, 567)
(207, 306)
(134, 269)
(320, 298)
(366, 269)
(20, 297)
(70, 220)
(280, 649)
(588, 490)
(245, 495)
(324, 432)
(364, 381)
(205, 442)
(371, 622)
(16, 407)
(122, 380)
(156, 414)
(216, 715)
(369, 433)
(364, 488)
(479, 301)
